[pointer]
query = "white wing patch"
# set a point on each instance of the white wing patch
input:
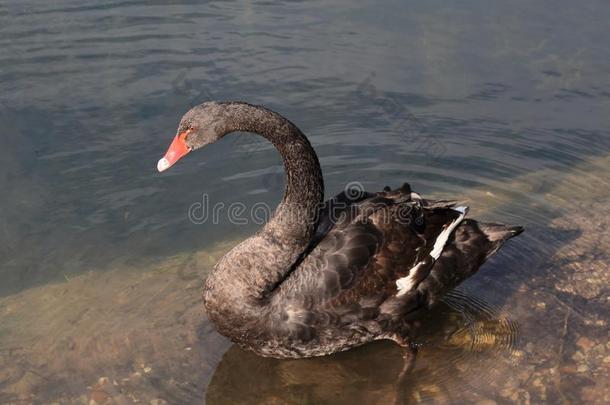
(441, 239)
(405, 284)
(415, 196)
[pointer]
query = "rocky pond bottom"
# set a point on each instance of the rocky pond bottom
(531, 327)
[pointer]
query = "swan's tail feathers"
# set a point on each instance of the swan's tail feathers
(499, 233)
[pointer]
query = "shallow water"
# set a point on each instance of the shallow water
(101, 268)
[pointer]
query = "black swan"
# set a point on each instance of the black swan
(319, 277)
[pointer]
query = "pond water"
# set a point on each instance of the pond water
(503, 105)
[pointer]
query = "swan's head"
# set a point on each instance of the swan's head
(200, 126)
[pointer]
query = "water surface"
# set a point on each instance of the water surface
(505, 105)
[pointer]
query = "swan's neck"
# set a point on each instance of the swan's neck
(295, 217)
(245, 277)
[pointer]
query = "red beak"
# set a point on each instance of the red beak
(176, 150)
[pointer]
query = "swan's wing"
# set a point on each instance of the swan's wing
(335, 210)
(386, 253)
(364, 251)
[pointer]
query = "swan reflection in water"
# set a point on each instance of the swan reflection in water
(464, 345)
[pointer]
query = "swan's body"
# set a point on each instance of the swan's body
(321, 278)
